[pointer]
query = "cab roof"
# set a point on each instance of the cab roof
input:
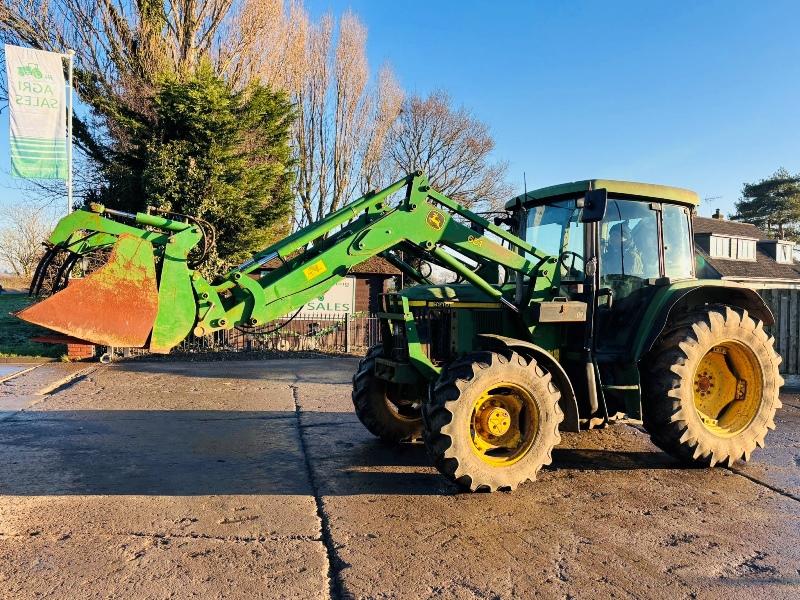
(623, 188)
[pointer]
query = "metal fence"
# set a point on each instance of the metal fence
(348, 334)
(355, 334)
(785, 305)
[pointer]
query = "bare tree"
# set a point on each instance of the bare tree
(343, 120)
(123, 48)
(265, 40)
(115, 38)
(451, 146)
(343, 117)
(375, 171)
(23, 229)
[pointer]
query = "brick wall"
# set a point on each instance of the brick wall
(79, 351)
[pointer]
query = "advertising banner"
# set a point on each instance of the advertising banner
(337, 301)
(36, 98)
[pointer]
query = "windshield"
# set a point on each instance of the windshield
(554, 229)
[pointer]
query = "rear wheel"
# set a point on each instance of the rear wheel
(379, 407)
(712, 386)
(492, 421)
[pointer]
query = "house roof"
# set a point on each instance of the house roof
(724, 227)
(625, 188)
(764, 267)
(374, 265)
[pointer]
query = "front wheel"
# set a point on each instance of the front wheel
(711, 387)
(492, 420)
(385, 415)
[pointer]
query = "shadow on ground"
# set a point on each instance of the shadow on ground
(238, 452)
(326, 369)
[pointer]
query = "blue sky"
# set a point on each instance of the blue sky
(703, 95)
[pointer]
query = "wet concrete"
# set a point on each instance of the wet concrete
(8, 369)
(246, 479)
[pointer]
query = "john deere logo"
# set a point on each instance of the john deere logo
(435, 220)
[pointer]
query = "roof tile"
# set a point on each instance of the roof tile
(764, 267)
(725, 227)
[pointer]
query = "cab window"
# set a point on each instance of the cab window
(629, 241)
(629, 257)
(678, 252)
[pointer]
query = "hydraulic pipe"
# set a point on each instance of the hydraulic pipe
(142, 218)
(406, 268)
(474, 279)
(161, 222)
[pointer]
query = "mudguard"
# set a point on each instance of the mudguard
(568, 402)
(690, 294)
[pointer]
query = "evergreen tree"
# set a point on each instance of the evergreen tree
(209, 151)
(772, 204)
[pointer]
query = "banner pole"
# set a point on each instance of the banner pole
(70, 57)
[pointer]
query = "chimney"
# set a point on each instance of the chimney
(718, 215)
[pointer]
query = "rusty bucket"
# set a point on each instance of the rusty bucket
(116, 305)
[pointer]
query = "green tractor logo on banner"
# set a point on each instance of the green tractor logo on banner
(30, 70)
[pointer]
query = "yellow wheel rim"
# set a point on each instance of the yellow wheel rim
(503, 424)
(727, 388)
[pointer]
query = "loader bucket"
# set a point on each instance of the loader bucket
(115, 305)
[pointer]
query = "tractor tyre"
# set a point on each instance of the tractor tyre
(392, 420)
(711, 387)
(492, 420)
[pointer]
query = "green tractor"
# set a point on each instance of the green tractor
(577, 307)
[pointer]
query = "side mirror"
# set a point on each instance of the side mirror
(508, 220)
(594, 206)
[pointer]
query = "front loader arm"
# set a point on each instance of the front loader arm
(425, 224)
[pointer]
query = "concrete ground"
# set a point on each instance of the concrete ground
(10, 369)
(255, 480)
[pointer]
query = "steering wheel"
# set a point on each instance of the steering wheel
(562, 259)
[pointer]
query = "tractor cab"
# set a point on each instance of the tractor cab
(619, 248)
(615, 240)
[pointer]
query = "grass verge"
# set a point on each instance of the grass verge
(15, 334)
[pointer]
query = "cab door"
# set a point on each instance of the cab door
(630, 266)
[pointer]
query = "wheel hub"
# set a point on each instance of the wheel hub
(703, 383)
(727, 384)
(504, 424)
(495, 420)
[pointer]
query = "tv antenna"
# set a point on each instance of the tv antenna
(711, 199)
